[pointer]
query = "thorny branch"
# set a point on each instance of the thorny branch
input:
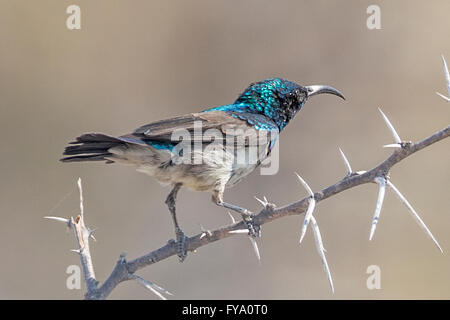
(82, 234)
(125, 270)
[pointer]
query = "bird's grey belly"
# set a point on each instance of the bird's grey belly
(216, 167)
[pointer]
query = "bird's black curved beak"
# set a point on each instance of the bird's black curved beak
(319, 89)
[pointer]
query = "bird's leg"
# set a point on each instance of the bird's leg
(254, 229)
(181, 238)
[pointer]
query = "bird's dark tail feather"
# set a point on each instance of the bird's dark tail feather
(91, 147)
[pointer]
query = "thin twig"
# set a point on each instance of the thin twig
(82, 235)
(120, 272)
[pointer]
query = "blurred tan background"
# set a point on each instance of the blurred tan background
(135, 62)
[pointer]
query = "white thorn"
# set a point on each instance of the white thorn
(59, 219)
(376, 215)
(91, 234)
(443, 97)
(305, 185)
(80, 188)
(346, 162)
(239, 231)
(311, 206)
(255, 248)
(161, 289)
(361, 172)
(392, 145)
(157, 290)
(308, 215)
(204, 232)
(391, 128)
(321, 250)
(76, 251)
(263, 203)
(447, 75)
(232, 218)
(414, 214)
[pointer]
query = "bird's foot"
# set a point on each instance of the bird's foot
(254, 229)
(244, 212)
(181, 244)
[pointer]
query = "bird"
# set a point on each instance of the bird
(206, 151)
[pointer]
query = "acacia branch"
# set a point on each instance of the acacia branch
(125, 269)
(82, 235)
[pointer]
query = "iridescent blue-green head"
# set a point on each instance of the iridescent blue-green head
(280, 99)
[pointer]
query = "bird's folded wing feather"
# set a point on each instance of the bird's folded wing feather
(200, 126)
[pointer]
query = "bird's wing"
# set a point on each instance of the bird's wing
(202, 126)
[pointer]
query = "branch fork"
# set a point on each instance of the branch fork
(83, 234)
(383, 181)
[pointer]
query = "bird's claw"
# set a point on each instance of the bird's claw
(181, 244)
(254, 229)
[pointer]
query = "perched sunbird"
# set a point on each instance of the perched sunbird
(206, 151)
